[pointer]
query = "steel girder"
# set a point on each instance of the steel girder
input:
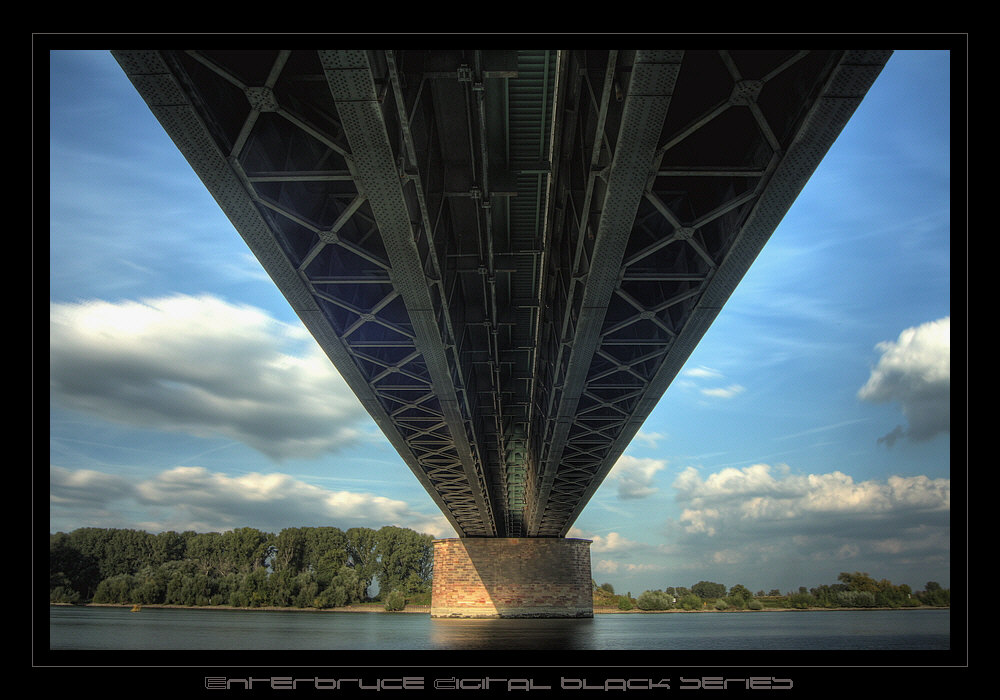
(659, 216)
(507, 255)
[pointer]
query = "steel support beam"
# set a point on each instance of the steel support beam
(507, 255)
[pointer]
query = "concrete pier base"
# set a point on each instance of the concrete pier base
(512, 577)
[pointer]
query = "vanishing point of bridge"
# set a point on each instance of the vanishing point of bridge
(508, 255)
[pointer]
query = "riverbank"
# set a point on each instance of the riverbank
(363, 608)
(426, 609)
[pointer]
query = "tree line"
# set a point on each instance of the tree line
(306, 567)
(852, 590)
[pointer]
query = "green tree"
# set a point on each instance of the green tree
(934, 594)
(691, 601)
(403, 560)
(244, 549)
(740, 591)
(306, 590)
(71, 569)
(63, 594)
(707, 590)
(290, 548)
(362, 550)
(167, 546)
(206, 549)
(326, 552)
(281, 588)
(345, 588)
(858, 581)
(115, 589)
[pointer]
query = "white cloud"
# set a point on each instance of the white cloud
(635, 476)
(702, 373)
(755, 493)
(86, 487)
(613, 542)
(698, 377)
(606, 566)
(638, 568)
(764, 525)
(193, 498)
(723, 392)
(650, 440)
(915, 371)
(205, 367)
(731, 521)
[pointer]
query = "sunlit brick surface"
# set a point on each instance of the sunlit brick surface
(512, 577)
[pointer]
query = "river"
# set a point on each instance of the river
(113, 628)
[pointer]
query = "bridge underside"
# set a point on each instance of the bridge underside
(508, 255)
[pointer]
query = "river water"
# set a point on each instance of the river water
(181, 652)
(110, 628)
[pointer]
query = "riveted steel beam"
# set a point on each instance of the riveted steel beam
(171, 93)
(507, 255)
(349, 75)
(643, 112)
(722, 236)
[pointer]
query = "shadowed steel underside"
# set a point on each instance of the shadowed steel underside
(508, 255)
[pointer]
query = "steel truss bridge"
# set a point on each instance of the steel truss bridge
(508, 255)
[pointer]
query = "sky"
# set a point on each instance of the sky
(808, 434)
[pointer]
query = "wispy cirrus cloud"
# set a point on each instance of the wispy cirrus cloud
(709, 383)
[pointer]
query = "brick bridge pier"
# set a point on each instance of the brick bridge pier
(512, 577)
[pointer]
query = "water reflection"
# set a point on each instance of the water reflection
(524, 634)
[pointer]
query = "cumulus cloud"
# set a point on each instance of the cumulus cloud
(915, 371)
(612, 542)
(634, 476)
(205, 367)
(760, 492)
(650, 440)
(765, 517)
(193, 498)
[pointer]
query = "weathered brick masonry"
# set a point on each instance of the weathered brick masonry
(512, 577)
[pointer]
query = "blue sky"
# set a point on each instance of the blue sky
(808, 434)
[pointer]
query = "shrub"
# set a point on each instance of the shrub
(721, 604)
(115, 589)
(691, 602)
(654, 600)
(856, 599)
(801, 601)
(755, 604)
(625, 603)
(63, 594)
(395, 601)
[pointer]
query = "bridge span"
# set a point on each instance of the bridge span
(508, 255)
